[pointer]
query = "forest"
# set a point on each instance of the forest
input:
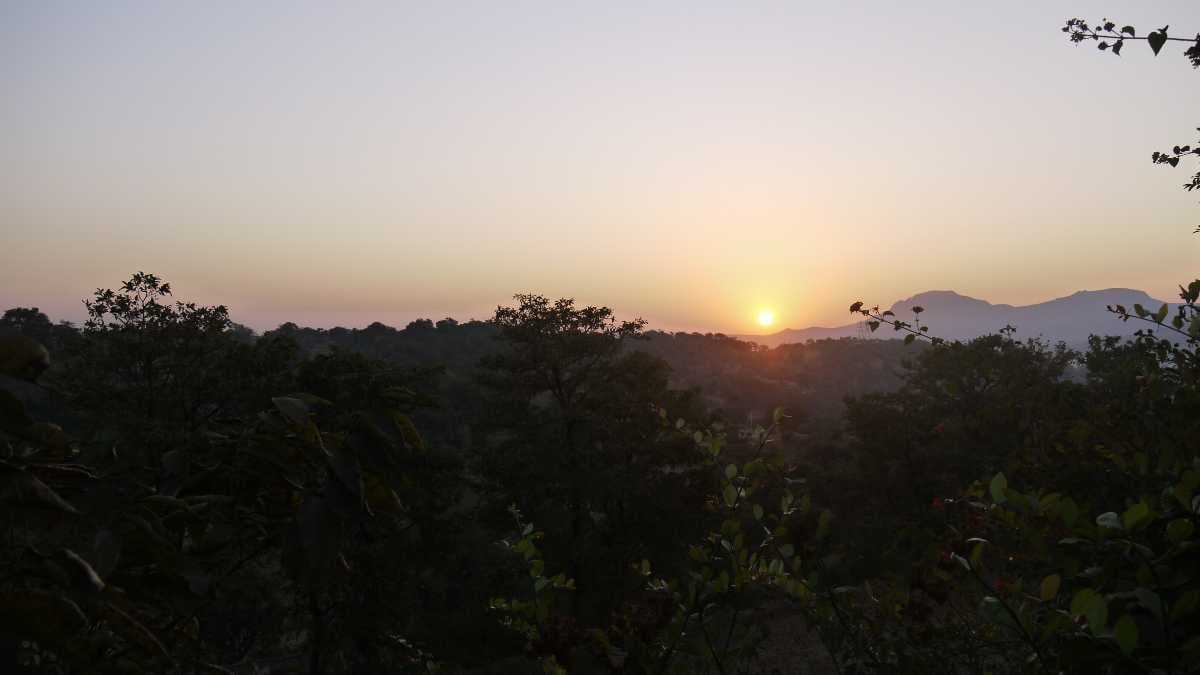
(555, 490)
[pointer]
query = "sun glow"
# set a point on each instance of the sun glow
(766, 318)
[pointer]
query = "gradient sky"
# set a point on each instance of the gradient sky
(689, 162)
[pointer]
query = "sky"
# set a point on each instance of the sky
(688, 162)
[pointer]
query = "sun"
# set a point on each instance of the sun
(766, 318)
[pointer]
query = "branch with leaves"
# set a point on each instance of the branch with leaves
(1186, 321)
(914, 330)
(1110, 38)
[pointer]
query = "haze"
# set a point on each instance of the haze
(691, 163)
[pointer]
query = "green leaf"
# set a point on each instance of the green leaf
(22, 358)
(1090, 604)
(1098, 614)
(1179, 530)
(1050, 586)
(1069, 511)
(787, 551)
(295, 410)
(908, 339)
(1137, 516)
(1109, 520)
(1186, 604)
(1126, 632)
(823, 523)
(1161, 314)
(997, 487)
(730, 495)
(408, 430)
(731, 471)
(1081, 600)
(758, 512)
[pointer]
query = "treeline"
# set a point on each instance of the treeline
(738, 379)
(560, 491)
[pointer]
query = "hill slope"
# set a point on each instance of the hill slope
(1069, 319)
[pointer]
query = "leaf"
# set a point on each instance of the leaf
(731, 471)
(997, 487)
(408, 431)
(823, 523)
(84, 574)
(1161, 314)
(908, 339)
(758, 512)
(22, 358)
(1179, 530)
(295, 410)
(1136, 516)
(22, 487)
(1093, 606)
(730, 495)
(1186, 604)
(1109, 520)
(1126, 632)
(1050, 586)
(1129, 30)
(1068, 510)
(1157, 39)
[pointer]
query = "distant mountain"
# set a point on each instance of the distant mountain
(952, 316)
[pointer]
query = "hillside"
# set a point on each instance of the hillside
(953, 316)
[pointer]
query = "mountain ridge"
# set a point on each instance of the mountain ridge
(954, 316)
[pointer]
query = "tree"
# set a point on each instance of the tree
(574, 442)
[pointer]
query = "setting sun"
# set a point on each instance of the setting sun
(766, 318)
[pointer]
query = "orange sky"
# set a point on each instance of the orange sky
(691, 164)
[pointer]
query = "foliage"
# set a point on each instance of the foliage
(1109, 38)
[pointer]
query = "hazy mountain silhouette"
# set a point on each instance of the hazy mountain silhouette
(1069, 319)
